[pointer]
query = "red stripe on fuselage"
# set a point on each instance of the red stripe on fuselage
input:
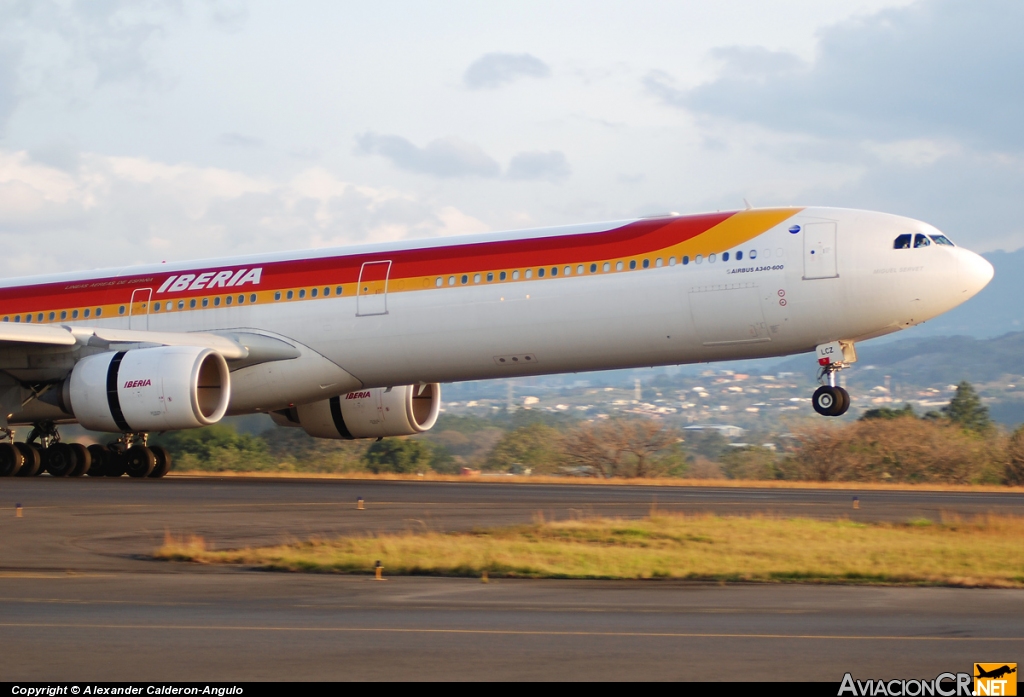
(635, 238)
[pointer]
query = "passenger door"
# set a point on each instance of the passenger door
(372, 292)
(138, 309)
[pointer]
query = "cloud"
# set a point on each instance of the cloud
(8, 83)
(237, 140)
(445, 157)
(552, 166)
(58, 154)
(493, 70)
(133, 210)
(946, 69)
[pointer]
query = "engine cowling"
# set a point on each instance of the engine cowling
(152, 389)
(377, 413)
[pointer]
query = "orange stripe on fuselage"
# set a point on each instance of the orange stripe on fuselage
(415, 269)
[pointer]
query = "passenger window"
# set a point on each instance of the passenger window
(302, 293)
(28, 318)
(120, 311)
(39, 317)
(711, 258)
(593, 268)
(502, 276)
(698, 259)
(632, 264)
(647, 263)
(252, 297)
(451, 280)
(53, 315)
(181, 304)
(671, 261)
(277, 295)
(315, 292)
(337, 291)
(464, 279)
(228, 300)
(327, 289)
(921, 241)
(439, 282)
(567, 271)
(241, 299)
(554, 270)
(290, 294)
(515, 275)
(540, 273)
(902, 242)
(490, 277)
(658, 262)
(753, 254)
(725, 256)
(192, 303)
(17, 318)
(529, 273)
(99, 311)
(74, 314)
(216, 302)
(206, 302)
(739, 256)
(85, 314)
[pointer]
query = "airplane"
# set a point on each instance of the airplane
(995, 673)
(354, 342)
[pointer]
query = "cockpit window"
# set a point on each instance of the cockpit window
(941, 239)
(902, 242)
(921, 241)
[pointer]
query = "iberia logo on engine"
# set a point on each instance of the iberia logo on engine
(357, 395)
(137, 383)
(995, 679)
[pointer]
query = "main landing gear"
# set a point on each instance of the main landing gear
(830, 399)
(130, 455)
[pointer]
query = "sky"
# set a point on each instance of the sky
(134, 132)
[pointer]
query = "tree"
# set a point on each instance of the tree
(1014, 469)
(644, 438)
(752, 462)
(399, 455)
(619, 447)
(967, 411)
(536, 446)
(888, 413)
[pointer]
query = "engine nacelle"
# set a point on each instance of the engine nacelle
(151, 389)
(376, 413)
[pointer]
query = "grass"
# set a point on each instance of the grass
(618, 481)
(987, 551)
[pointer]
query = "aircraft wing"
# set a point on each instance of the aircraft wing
(241, 346)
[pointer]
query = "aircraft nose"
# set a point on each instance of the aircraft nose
(975, 273)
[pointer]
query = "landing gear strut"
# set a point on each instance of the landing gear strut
(830, 399)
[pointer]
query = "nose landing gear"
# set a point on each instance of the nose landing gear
(830, 399)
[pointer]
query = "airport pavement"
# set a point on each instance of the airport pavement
(79, 598)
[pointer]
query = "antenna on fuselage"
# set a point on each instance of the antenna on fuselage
(747, 204)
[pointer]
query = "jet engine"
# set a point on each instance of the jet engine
(376, 413)
(151, 389)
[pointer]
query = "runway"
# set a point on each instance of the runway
(80, 600)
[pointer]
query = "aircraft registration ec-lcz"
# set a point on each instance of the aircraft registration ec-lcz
(353, 343)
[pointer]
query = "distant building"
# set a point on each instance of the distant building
(727, 430)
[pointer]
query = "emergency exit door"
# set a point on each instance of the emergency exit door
(820, 251)
(372, 292)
